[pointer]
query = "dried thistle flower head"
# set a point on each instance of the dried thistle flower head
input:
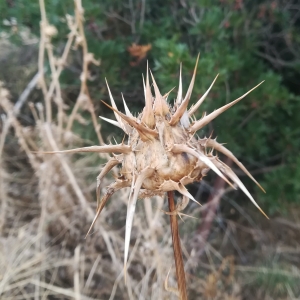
(162, 153)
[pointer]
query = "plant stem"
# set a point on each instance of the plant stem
(177, 249)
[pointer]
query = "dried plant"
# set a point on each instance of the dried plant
(163, 155)
(47, 200)
(139, 52)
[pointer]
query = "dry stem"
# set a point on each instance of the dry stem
(177, 249)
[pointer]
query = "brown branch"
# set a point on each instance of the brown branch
(181, 282)
(209, 215)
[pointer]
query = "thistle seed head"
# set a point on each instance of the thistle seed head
(161, 153)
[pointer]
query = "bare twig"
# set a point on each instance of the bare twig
(76, 273)
(209, 215)
(43, 41)
(6, 125)
(25, 94)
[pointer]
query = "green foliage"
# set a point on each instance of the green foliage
(276, 283)
(232, 36)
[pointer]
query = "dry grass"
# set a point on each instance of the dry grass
(48, 203)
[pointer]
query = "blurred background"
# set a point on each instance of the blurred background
(51, 87)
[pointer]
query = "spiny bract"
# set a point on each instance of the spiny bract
(162, 153)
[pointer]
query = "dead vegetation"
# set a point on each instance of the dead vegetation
(48, 203)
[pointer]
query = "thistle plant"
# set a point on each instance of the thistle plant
(162, 155)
